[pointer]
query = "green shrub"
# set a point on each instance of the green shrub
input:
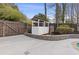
(64, 29)
(11, 13)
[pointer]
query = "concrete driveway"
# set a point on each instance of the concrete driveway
(23, 45)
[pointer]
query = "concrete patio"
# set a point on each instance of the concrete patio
(23, 45)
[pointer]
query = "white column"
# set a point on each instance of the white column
(44, 23)
(32, 23)
(38, 22)
(48, 24)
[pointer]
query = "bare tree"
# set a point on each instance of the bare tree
(63, 11)
(77, 12)
(45, 7)
(58, 13)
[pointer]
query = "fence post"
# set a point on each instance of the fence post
(3, 28)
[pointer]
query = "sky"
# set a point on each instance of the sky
(31, 9)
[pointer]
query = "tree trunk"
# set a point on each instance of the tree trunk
(45, 7)
(63, 12)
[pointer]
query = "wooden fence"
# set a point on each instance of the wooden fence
(8, 28)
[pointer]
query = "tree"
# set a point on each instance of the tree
(41, 17)
(58, 13)
(77, 12)
(63, 12)
(72, 12)
(45, 7)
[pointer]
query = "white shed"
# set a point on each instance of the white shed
(40, 27)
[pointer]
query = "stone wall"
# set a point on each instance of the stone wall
(78, 27)
(53, 37)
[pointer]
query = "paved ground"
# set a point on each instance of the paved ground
(23, 45)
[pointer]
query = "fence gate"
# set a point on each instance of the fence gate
(8, 28)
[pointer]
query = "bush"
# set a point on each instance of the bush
(11, 13)
(64, 29)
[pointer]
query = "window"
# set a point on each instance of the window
(41, 24)
(35, 24)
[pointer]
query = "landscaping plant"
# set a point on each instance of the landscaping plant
(64, 29)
